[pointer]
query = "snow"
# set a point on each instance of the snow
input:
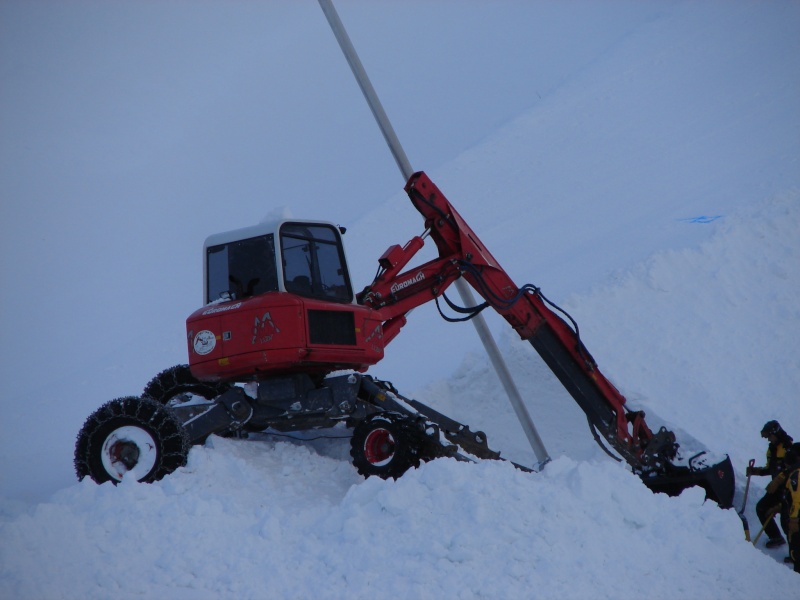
(638, 161)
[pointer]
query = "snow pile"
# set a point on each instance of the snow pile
(638, 161)
(274, 519)
(702, 339)
(713, 329)
(271, 517)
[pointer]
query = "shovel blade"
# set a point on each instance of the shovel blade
(746, 526)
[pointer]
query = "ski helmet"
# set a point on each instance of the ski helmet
(770, 428)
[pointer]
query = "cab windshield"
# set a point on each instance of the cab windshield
(313, 262)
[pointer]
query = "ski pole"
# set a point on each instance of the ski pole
(771, 514)
(745, 524)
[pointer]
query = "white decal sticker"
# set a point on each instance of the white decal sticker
(396, 287)
(204, 342)
(264, 329)
(377, 332)
(220, 309)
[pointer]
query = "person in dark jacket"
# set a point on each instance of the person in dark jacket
(792, 503)
(779, 443)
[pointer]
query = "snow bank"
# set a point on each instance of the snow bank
(275, 519)
(605, 135)
(706, 337)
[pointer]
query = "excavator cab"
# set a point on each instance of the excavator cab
(278, 299)
(300, 257)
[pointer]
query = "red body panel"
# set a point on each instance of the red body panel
(279, 332)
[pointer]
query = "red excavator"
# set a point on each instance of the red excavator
(281, 322)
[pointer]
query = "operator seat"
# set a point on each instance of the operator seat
(299, 285)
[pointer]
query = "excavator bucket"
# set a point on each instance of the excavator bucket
(717, 480)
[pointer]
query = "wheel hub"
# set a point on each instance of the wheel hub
(379, 447)
(129, 449)
(125, 452)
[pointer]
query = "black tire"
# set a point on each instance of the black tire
(173, 383)
(130, 434)
(385, 445)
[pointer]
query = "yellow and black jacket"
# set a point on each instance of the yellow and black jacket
(793, 492)
(775, 458)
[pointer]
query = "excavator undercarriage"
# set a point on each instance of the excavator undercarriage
(390, 433)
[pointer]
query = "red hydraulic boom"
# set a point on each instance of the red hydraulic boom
(462, 254)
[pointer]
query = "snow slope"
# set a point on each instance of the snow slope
(638, 161)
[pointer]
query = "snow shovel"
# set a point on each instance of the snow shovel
(744, 502)
(771, 514)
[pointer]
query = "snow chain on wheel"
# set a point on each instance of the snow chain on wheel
(135, 436)
(178, 380)
(386, 445)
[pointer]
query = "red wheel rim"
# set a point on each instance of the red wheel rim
(379, 446)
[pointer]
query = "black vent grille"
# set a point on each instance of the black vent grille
(334, 327)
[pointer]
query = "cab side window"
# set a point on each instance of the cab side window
(242, 269)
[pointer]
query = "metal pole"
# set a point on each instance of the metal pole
(366, 88)
(506, 379)
(463, 289)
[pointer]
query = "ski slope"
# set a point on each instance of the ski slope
(638, 161)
